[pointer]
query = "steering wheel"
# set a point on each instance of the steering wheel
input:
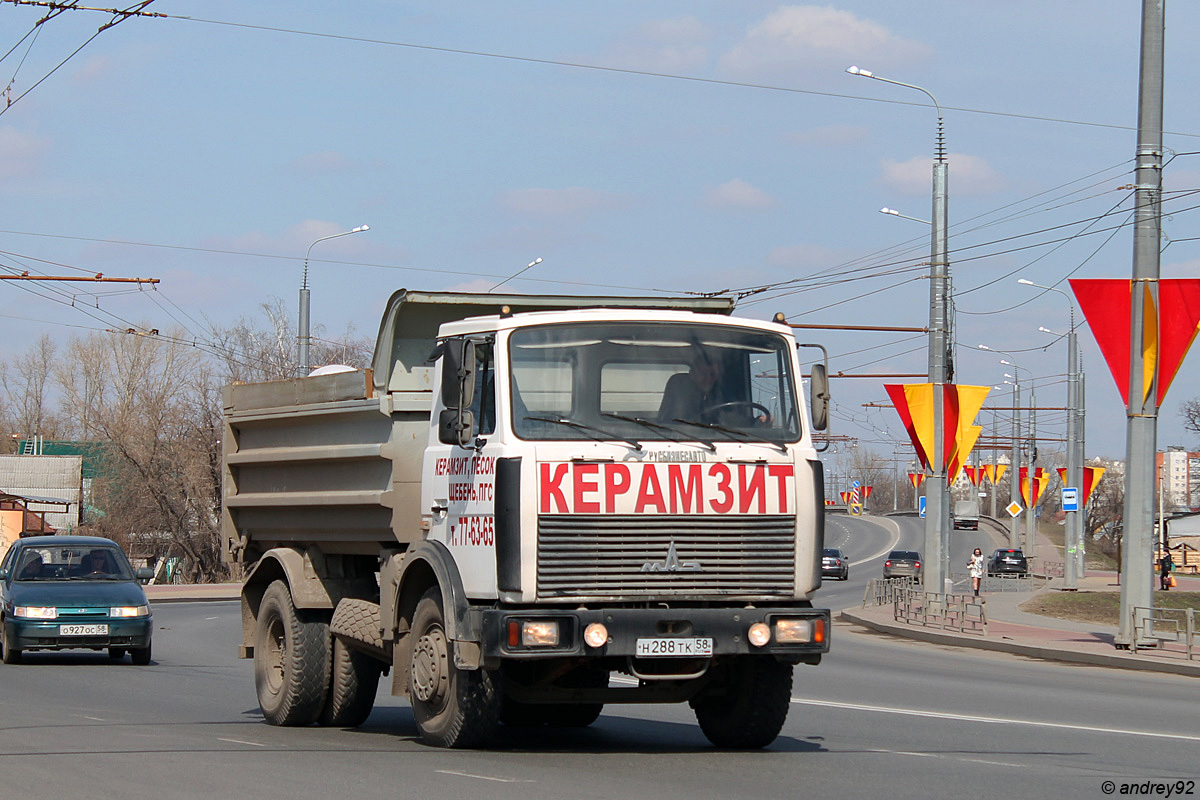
(766, 412)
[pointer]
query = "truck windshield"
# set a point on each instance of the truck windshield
(653, 382)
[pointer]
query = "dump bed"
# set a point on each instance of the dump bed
(335, 460)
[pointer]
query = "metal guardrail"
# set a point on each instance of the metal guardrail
(952, 612)
(1165, 625)
(882, 591)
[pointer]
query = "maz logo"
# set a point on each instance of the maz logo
(671, 563)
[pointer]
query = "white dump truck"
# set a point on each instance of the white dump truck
(530, 507)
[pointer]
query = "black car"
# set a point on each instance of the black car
(903, 564)
(1008, 561)
(834, 564)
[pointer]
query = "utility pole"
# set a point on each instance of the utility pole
(1030, 472)
(1137, 590)
(1014, 466)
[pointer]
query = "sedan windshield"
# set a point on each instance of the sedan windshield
(653, 382)
(75, 563)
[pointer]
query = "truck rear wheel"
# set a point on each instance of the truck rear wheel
(452, 707)
(354, 679)
(747, 708)
(291, 660)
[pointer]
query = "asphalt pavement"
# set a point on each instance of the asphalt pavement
(1009, 629)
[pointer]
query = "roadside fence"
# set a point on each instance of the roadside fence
(882, 591)
(952, 612)
(1165, 626)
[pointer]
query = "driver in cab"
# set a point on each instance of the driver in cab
(701, 395)
(688, 395)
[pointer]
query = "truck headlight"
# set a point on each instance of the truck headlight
(799, 631)
(533, 633)
(36, 612)
(759, 634)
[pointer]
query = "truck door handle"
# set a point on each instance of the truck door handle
(440, 509)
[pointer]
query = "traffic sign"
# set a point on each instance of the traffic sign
(1070, 498)
(1013, 508)
(921, 506)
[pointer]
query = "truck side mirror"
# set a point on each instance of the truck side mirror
(456, 423)
(458, 373)
(819, 389)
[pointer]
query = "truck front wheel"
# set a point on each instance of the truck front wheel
(291, 660)
(746, 708)
(452, 707)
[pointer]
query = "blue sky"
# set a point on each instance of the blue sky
(210, 148)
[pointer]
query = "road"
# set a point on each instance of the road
(881, 717)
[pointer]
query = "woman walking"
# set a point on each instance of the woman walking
(975, 568)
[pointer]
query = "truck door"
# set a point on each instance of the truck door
(460, 493)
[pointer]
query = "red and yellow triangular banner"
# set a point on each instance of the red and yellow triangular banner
(1169, 329)
(974, 474)
(960, 404)
(916, 478)
(1040, 479)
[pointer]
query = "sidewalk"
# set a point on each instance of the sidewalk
(186, 593)
(1014, 631)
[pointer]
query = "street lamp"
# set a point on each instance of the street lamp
(304, 337)
(1014, 463)
(941, 367)
(1073, 567)
(894, 213)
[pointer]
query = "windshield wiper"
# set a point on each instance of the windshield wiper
(715, 427)
(653, 425)
(636, 445)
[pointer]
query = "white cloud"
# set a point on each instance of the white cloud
(968, 175)
(806, 38)
(574, 201)
(738, 194)
(679, 44)
(20, 153)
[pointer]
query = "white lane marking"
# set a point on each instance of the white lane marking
(888, 549)
(942, 755)
(241, 741)
(915, 712)
(482, 777)
(211, 618)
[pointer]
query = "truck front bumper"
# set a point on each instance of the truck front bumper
(800, 634)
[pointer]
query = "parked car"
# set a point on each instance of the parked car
(834, 564)
(69, 593)
(1008, 561)
(903, 564)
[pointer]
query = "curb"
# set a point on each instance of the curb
(198, 593)
(1113, 661)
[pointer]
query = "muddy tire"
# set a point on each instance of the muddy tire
(452, 707)
(291, 660)
(353, 681)
(746, 709)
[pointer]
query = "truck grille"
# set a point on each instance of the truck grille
(629, 557)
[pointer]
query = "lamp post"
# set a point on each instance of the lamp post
(1014, 464)
(1073, 563)
(941, 367)
(304, 336)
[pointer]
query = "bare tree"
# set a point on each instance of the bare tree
(26, 384)
(249, 351)
(152, 401)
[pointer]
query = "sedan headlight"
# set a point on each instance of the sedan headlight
(129, 611)
(36, 612)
